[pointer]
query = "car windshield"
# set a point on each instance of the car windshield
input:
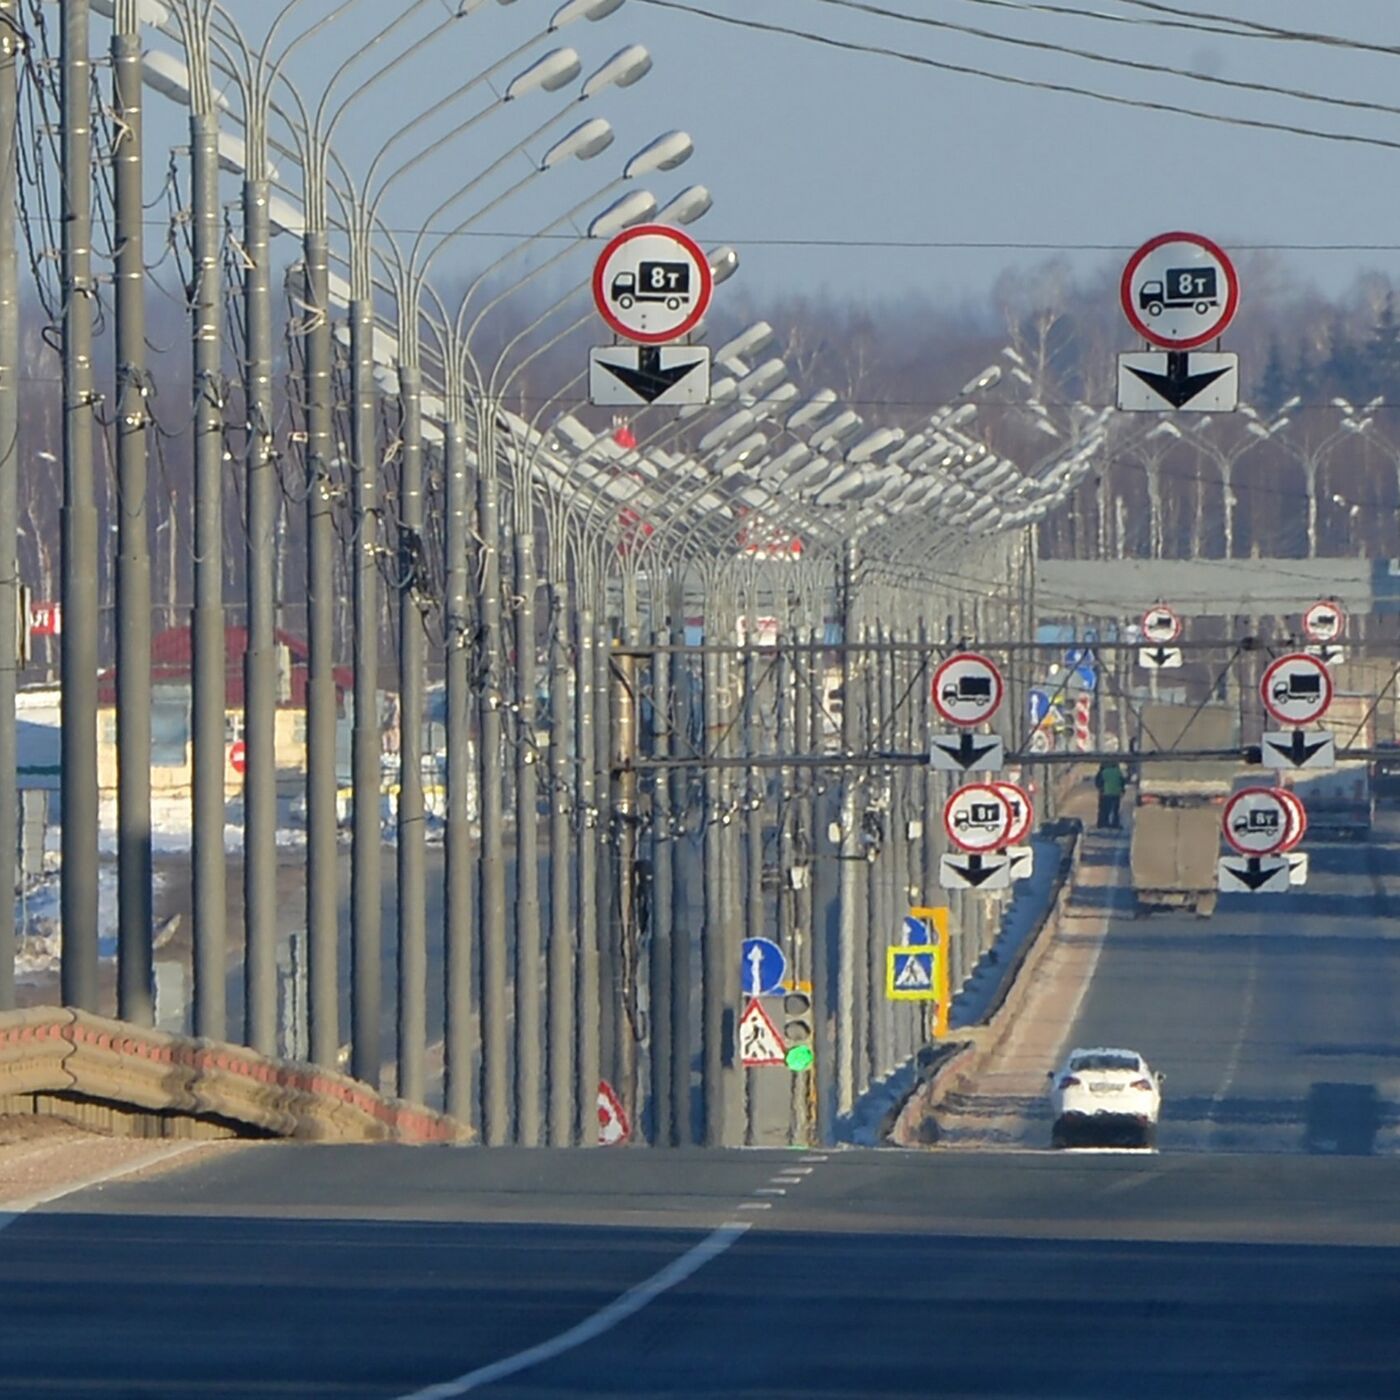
(1105, 1061)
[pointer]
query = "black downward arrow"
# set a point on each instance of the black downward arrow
(967, 752)
(1160, 657)
(974, 872)
(1252, 876)
(648, 380)
(1178, 386)
(1299, 751)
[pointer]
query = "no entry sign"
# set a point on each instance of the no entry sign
(1257, 821)
(1179, 290)
(1296, 689)
(967, 689)
(652, 284)
(978, 817)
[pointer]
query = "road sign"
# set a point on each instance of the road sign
(974, 872)
(628, 375)
(1022, 811)
(967, 689)
(1021, 860)
(1160, 625)
(1256, 821)
(1160, 658)
(652, 284)
(1253, 874)
(925, 926)
(1326, 653)
(1156, 381)
(1296, 689)
(1298, 868)
(1040, 742)
(1038, 703)
(1083, 719)
(238, 756)
(764, 966)
(1179, 290)
(613, 1124)
(966, 753)
(759, 1041)
(911, 974)
(1298, 748)
(977, 817)
(1298, 820)
(797, 1021)
(1324, 622)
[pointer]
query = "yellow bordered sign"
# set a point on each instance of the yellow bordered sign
(919, 971)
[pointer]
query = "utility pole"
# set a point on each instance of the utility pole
(260, 659)
(11, 44)
(135, 974)
(528, 1019)
(662, 944)
(79, 601)
(559, 1015)
(411, 853)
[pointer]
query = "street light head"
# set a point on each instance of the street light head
(665, 153)
(724, 263)
(624, 68)
(551, 72)
(580, 9)
(692, 203)
(584, 142)
(746, 343)
(813, 408)
(635, 207)
(989, 376)
(1290, 404)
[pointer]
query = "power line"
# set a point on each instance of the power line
(1091, 56)
(1035, 84)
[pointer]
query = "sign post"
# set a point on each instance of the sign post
(1179, 291)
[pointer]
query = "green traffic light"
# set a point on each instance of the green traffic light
(800, 1057)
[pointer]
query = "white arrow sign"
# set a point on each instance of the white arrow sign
(966, 872)
(1021, 859)
(966, 753)
(1160, 658)
(1297, 867)
(1253, 874)
(1298, 748)
(628, 375)
(1156, 381)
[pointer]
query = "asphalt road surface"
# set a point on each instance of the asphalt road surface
(285, 1270)
(1276, 1021)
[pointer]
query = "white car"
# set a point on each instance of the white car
(1104, 1097)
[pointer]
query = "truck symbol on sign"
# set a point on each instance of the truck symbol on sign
(667, 282)
(1254, 822)
(1298, 685)
(1181, 287)
(985, 816)
(968, 690)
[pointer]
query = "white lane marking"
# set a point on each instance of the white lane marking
(787, 1180)
(1232, 1065)
(619, 1310)
(813, 1158)
(799, 1171)
(10, 1211)
(771, 1191)
(756, 1205)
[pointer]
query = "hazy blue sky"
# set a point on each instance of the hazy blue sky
(819, 159)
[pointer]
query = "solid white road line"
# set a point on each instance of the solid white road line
(619, 1310)
(10, 1211)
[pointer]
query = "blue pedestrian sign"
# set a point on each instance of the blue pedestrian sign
(916, 931)
(763, 967)
(1039, 702)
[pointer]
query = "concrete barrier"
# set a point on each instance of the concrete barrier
(915, 1124)
(132, 1081)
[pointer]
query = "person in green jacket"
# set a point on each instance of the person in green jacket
(1110, 782)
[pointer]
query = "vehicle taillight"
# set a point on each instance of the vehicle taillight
(1068, 1081)
(1142, 1083)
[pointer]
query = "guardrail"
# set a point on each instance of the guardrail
(950, 1065)
(131, 1081)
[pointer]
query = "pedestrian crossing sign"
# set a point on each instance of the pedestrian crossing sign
(759, 1041)
(915, 973)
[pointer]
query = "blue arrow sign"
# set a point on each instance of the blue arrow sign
(1039, 703)
(916, 931)
(763, 967)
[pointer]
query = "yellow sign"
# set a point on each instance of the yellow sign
(918, 971)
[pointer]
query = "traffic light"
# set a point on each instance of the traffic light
(797, 1030)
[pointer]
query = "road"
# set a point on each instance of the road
(285, 1270)
(1276, 1021)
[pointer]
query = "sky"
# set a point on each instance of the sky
(873, 178)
